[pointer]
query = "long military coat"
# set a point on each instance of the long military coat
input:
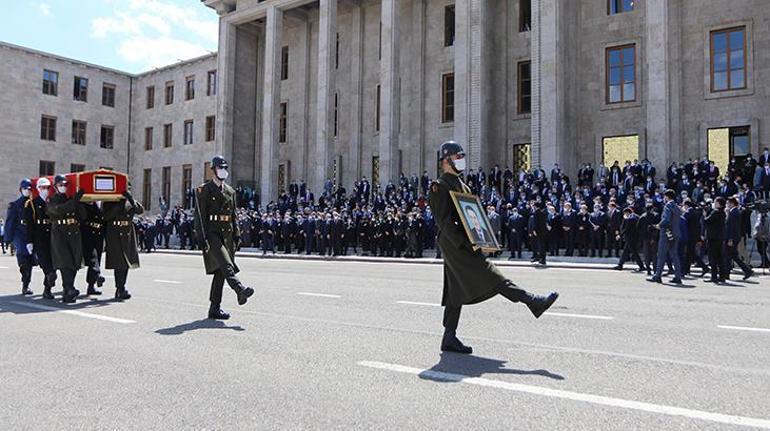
(216, 225)
(468, 277)
(120, 235)
(66, 242)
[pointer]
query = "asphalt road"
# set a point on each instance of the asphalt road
(351, 345)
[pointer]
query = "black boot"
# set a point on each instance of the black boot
(47, 292)
(450, 343)
(122, 294)
(539, 304)
(217, 313)
(25, 290)
(93, 291)
(243, 294)
(99, 283)
(70, 296)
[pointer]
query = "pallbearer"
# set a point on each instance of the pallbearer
(39, 233)
(468, 277)
(218, 236)
(16, 233)
(92, 230)
(66, 245)
(120, 236)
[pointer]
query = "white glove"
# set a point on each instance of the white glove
(30, 247)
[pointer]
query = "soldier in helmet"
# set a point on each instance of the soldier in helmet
(468, 277)
(39, 231)
(66, 245)
(219, 236)
(16, 233)
(120, 237)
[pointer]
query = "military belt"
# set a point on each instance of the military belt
(66, 221)
(95, 225)
(44, 221)
(121, 223)
(219, 217)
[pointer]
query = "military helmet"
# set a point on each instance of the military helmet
(25, 184)
(450, 148)
(219, 162)
(43, 182)
(60, 179)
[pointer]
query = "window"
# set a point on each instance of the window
(167, 135)
(448, 98)
(522, 154)
(337, 52)
(620, 6)
(78, 132)
(48, 128)
(147, 138)
(81, 89)
(525, 15)
(620, 148)
(50, 82)
(282, 122)
(284, 63)
(377, 111)
(166, 184)
(621, 74)
(281, 178)
(150, 95)
(169, 92)
(108, 95)
(107, 137)
(188, 132)
(211, 83)
(147, 189)
(524, 87)
(47, 168)
(211, 128)
(336, 104)
(375, 171)
(189, 88)
(186, 184)
(728, 59)
(725, 144)
(77, 167)
(449, 25)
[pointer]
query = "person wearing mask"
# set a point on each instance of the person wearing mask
(39, 233)
(668, 239)
(66, 244)
(629, 232)
(714, 235)
(15, 232)
(121, 240)
(733, 235)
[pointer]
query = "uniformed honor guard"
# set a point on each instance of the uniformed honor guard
(218, 236)
(16, 233)
(92, 231)
(66, 244)
(39, 233)
(120, 237)
(468, 277)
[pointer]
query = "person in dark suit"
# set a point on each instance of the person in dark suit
(515, 228)
(691, 256)
(614, 237)
(538, 231)
(568, 227)
(733, 234)
(16, 234)
(648, 233)
(629, 231)
(669, 239)
(714, 225)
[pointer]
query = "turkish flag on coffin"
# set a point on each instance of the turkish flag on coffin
(99, 185)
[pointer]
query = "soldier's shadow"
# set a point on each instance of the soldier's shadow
(34, 304)
(196, 325)
(453, 368)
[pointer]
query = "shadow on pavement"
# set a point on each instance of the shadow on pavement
(10, 304)
(461, 366)
(198, 324)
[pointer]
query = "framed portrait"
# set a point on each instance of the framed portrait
(475, 222)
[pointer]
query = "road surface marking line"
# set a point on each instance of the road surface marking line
(322, 295)
(418, 303)
(3, 267)
(167, 281)
(579, 316)
(73, 312)
(743, 328)
(575, 396)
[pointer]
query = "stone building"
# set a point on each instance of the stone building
(347, 88)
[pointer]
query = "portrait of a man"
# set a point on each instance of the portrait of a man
(475, 221)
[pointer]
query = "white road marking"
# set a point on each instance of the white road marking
(322, 295)
(428, 304)
(575, 396)
(73, 312)
(3, 267)
(579, 316)
(167, 281)
(743, 328)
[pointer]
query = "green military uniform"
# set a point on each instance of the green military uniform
(120, 238)
(66, 214)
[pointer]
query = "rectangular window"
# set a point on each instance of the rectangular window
(620, 149)
(108, 95)
(621, 74)
(284, 63)
(449, 25)
(78, 132)
(47, 168)
(189, 88)
(525, 15)
(524, 87)
(80, 92)
(50, 82)
(167, 135)
(522, 154)
(48, 128)
(169, 92)
(377, 111)
(211, 83)
(107, 137)
(448, 98)
(728, 59)
(147, 189)
(620, 6)
(77, 167)
(188, 132)
(336, 104)
(375, 171)
(150, 97)
(147, 138)
(211, 128)
(282, 122)
(166, 184)
(186, 184)
(337, 52)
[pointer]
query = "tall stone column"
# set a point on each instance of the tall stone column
(271, 97)
(356, 89)
(327, 32)
(659, 147)
(225, 89)
(389, 100)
